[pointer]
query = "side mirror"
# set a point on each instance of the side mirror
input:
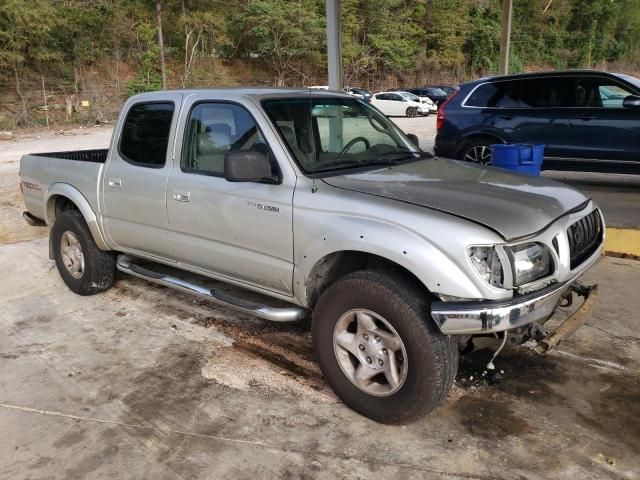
(248, 166)
(414, 139)
(632, 101)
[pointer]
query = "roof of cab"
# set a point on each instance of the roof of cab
(257, 93)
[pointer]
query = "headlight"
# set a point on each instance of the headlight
(530, 261)
(487, 263)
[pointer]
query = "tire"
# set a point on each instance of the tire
(431, 358)
(476, 151)
(98, 268)
(412, 112)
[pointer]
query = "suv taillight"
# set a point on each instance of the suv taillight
(441, 115)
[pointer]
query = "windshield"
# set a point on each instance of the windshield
(326, 134)
(633, 80)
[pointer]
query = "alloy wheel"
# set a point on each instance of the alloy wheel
(370, 352)
(72, 256)
(479, 154)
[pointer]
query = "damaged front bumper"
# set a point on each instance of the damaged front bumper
(473, 318)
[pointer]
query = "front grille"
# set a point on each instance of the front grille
(585, 236)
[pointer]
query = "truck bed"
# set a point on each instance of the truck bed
(79, 168)
(95, 156)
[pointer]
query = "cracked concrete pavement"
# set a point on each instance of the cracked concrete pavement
(144, 382)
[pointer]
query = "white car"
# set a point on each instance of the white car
(396, 104)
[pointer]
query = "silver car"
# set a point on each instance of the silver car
(320, 203)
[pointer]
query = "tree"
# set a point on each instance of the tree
(26, 39)
(282, 33)
(163, 66)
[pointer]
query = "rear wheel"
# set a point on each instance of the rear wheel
(412, 112)
(379, 350)
(478, 151)
(84, 268)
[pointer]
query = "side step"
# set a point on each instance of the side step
(289, 314)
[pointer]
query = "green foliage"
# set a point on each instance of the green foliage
(286, 38)
(148, 77)
(281, 32)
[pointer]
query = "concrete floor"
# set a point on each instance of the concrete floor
(143, 382)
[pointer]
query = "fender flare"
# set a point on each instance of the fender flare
(78, 199)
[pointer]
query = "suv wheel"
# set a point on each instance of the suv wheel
(478, 151)
(84, 268)
(379, 350)
(412, 112)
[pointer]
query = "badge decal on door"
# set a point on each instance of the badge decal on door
(266, 208)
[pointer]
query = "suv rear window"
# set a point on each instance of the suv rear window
(145, 134)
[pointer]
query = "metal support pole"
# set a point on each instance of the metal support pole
(334, 44)
(505, 36)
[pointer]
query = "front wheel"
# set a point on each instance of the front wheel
(412, 112)
(379, 350)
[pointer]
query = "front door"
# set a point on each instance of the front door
(239, 231)
(601, 127)
(134, 183)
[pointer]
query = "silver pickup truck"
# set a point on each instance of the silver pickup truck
(314, 198)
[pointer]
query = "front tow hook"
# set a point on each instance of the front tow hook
(571, 324)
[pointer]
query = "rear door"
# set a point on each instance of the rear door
(238, 231)
(530, 111)
(382, 102)
(135, 179)
(398, 104)
(601, 127)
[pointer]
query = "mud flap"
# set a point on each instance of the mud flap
(571, 324)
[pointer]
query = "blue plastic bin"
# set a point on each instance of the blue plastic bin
(518, 157)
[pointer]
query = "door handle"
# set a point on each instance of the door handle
(181, 196)
(114, 182)
(506, 117)
(587, 118)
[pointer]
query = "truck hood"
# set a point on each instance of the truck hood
(513, 205)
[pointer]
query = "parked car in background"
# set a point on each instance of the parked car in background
(588, 120)
(395, 104)
(433, 108)
(448, 89)
(362, 93)
(434, 94)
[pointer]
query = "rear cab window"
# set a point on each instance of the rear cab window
(145, 134)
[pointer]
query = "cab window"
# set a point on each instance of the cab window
(215, 129)
(145, 134)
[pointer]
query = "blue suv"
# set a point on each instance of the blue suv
(587, 120)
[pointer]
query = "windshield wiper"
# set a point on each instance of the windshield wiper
(353, 163)
(404, 154)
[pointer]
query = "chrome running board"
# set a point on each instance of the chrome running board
(274, 314)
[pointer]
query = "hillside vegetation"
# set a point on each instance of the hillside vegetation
(84, 57)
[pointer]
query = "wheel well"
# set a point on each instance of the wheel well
(474, 138)
(336, 265)
(58, 204)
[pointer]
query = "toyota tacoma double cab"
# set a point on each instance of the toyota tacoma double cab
(317, 201)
